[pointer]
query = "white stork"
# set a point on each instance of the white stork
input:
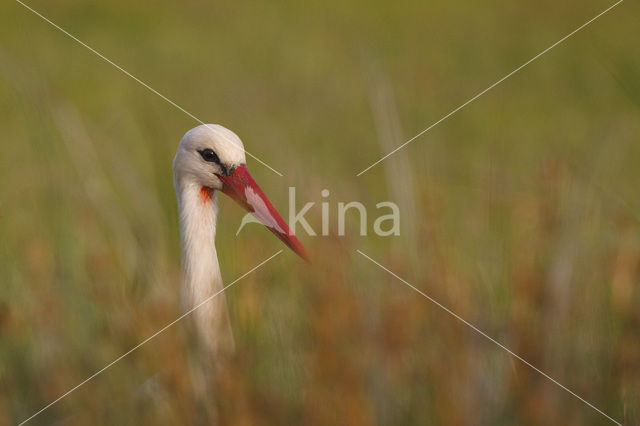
(211, 158)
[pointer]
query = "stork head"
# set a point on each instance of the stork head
(212, 157)
(208, 152)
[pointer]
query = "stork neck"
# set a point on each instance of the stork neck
(201, 277)
(198, 212)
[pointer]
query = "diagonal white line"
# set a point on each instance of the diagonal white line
(490, 87)
(148, 339)
(482, 333)
(142, 83)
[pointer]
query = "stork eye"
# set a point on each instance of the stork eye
(209, 156)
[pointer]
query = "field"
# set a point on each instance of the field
(519, 212)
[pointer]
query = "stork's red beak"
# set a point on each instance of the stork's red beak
(241, 186)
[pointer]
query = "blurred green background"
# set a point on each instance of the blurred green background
(520, 212)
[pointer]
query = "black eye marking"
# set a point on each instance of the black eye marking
(209, 156)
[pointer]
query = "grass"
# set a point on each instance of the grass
(520, 212)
